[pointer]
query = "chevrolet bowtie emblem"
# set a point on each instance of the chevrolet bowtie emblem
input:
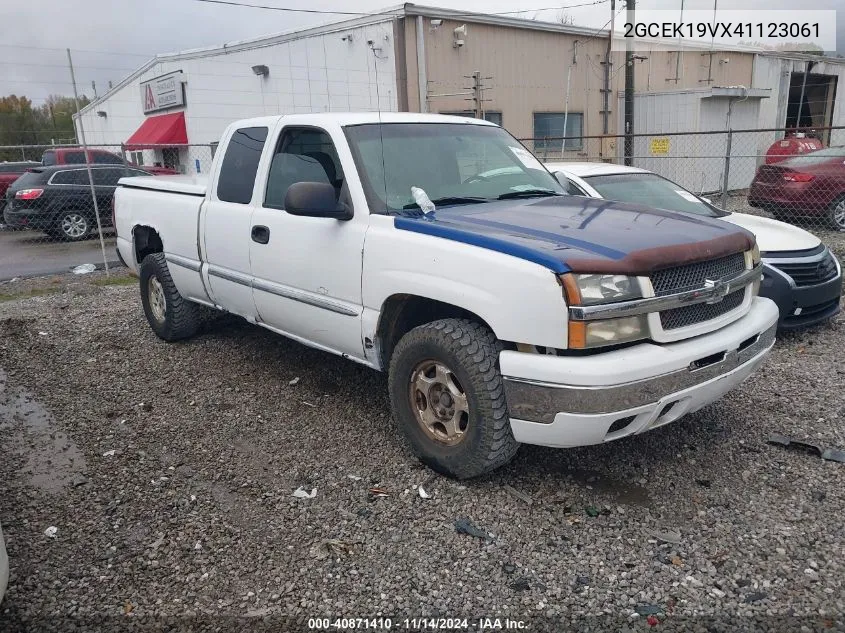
(716, 290)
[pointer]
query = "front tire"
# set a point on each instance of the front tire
(836, 214)
(170, 315)
(448, 399)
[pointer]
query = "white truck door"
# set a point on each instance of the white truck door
(226, 222)
(307, 270)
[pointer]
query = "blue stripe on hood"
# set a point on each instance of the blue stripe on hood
(429, 227)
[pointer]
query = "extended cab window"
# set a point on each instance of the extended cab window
(48, 158)
(240, 164)
(303, 155)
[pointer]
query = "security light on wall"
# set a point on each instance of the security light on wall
(460, 33)
(435, 23)
(347, 37)
(102, 113)
(261, 70)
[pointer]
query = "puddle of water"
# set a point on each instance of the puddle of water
(622, 492)
(52, 460)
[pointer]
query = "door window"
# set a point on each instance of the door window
(105, 158)
(240, 165)
(303, 155)
(107, 177)
(74, 158)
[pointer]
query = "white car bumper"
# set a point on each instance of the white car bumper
(566, 401)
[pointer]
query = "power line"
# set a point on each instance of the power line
(231, 3)
(284, 9)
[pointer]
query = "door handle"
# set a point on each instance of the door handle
(260, 234)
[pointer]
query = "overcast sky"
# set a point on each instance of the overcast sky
(125, 33)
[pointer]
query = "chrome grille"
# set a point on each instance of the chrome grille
(808, 273)
(692, 276)
(700, 312)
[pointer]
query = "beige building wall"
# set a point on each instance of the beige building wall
(527, 71)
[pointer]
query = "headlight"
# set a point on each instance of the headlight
(595, 288)
(584, 334)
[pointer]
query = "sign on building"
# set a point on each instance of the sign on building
(660, 146)
(163, 92)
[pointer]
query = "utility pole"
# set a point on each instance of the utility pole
(607, 65)
(87, 163)
(631, 6)
(566, 105)
(477, 95)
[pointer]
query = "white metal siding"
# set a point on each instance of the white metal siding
(319, 73)
(695, 161)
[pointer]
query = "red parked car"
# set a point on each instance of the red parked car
(10, 172)
(76, 156)
(810, 186)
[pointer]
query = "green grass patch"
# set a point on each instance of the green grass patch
(27, 294)
(116, 280)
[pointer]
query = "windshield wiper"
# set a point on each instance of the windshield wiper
(450, 200)
(529, 193)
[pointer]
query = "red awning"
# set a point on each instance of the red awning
(165, 129)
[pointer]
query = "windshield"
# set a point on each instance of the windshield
(455, 163)
(649, 190)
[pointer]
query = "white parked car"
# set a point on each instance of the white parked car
(800, 273)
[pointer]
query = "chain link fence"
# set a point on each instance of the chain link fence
(775, 173)
(53, 217)
(57, 203)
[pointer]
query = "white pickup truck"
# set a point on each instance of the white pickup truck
(503, 310)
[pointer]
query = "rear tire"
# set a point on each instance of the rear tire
(836, 214)
(448, 399)
(72, 226)
(170, 315)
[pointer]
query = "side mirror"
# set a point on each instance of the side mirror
(315, 200)
(563, 180)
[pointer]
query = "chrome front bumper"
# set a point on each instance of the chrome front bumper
(567, 401)
(541, 401)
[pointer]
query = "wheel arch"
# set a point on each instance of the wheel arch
(402, 312)
(146, 240)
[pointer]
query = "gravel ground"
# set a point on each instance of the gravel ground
(169, 471)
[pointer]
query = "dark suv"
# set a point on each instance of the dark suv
(57, 200)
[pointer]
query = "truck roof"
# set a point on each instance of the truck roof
(360, 118)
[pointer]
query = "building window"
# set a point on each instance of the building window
(550, 125)
(490, 115)
(137, 157)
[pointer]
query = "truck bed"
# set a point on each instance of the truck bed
(188, 185)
